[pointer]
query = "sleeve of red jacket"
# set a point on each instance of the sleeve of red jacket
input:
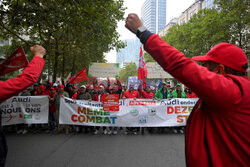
(212, 88)
(28, 77)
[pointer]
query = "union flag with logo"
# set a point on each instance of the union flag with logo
(142, 70)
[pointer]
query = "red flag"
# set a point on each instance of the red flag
(142, 70)
(15, 61)
(81, 76)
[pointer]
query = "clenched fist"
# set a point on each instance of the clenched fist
(133, 22)
(38, 50)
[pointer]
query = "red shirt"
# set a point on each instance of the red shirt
(192, 95)
(131, 94)
(98, 97)
(52, 107)
(29, 76)
(146, 95)
(217, 132)
(74, 96)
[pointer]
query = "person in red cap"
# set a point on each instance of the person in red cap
(47, 90)
(75, 89)
(16, 85)
(147, 94)
(217, 132)
(99, 97)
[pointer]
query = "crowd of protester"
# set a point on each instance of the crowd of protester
(95, 92)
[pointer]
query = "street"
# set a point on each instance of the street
(74, 150)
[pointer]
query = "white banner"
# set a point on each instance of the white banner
(110, 70)
(25, 109)
(132, 113)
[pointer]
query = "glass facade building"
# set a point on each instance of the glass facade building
(130, 53)
(154, 14)
(207, 4)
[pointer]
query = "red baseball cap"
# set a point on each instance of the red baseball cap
(61, 85)
(42, 87)
(74, 87)
(226, 54)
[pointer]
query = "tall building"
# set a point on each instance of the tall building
(194, 8)
(130, 53)
(171, 23)
(154, 14)
(207, 4)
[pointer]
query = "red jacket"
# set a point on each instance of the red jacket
(217, 132)
(146, 95)
(192, 95)
(29, 76)
(97, 98)
(131, 94)
(74, 96)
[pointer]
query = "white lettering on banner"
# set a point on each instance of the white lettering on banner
(132, 113)
(25, 109)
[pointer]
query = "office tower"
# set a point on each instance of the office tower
(154, 15)
(130, 53)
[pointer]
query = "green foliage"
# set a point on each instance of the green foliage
(129, 71)
(74, 33)
(226, 23)
(148, 58)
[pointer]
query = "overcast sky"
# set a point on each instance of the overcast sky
(174, 9)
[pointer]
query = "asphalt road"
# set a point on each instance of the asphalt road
(87, 150)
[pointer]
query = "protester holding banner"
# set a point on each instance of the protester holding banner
(217, 132)
(99, 97)
(131, 94)
(146, 94)
(83, 95)
(57, 98)
(14, 86)
(23, 128)
(75, 89)
(91, 91)
(52, 110)
(163, 93)
(178, 93)
(190, 93)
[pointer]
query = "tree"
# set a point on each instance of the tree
(74, 33)
(129, 71)
(236, 14)
(225, 23)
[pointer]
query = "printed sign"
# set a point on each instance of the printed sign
(25, 109)
(156, 71)
(111, 102)
(104, 70)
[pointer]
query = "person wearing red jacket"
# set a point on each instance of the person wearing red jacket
(130, 93)
(217, 132)
(75, 89)
(148, 93)
(52, 110)
(12, 87)
(99, 97)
